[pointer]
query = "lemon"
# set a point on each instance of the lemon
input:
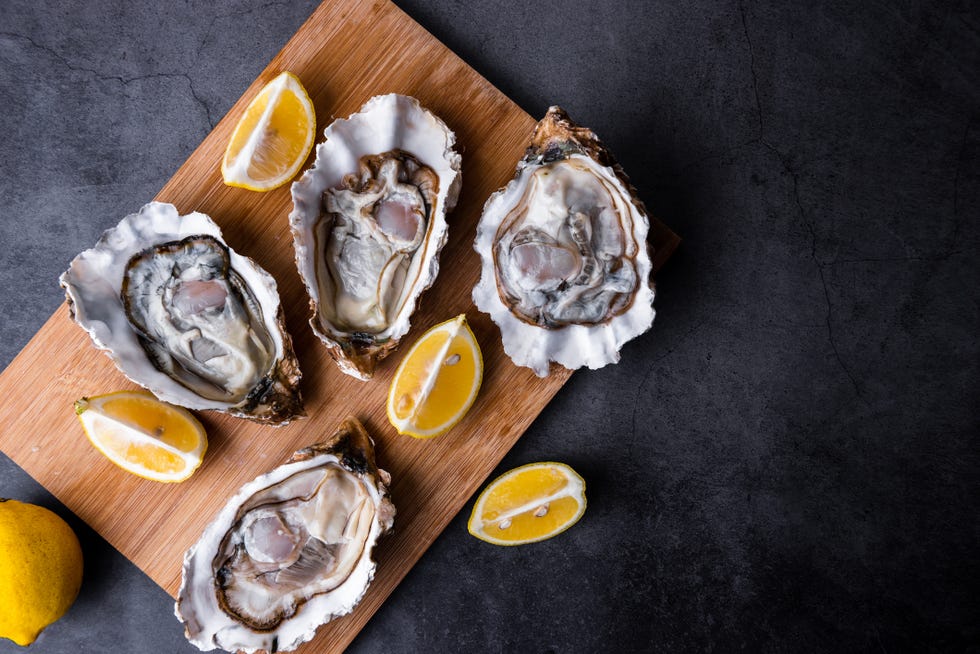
(143, 435)
(528, 504)
(437, 381)
(272, 138)
(40, 569)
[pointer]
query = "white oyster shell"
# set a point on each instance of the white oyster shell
(290, 551)
(94, 282)
(382, 273)
(565, 262)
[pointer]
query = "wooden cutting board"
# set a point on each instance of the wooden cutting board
(345, 53)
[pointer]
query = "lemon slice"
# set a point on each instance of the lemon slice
(272, 138)
(143, 435)
(528, 504)
(437, 381)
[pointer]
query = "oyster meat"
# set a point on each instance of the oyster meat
(565, 263)
(184, 315)
(290, 551)
(368, 221)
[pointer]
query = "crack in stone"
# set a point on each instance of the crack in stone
(830, 336)
(241, 12)
(823, 282)
(124, 81)
(758, 140)
(200, 100)
(939, 257)
(960, 156)
(755, 77)
(788, 169)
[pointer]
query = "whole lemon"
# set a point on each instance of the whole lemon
(40, 569)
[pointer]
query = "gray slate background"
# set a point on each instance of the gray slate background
(787, 462)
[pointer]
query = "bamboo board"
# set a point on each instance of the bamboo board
(345, 53)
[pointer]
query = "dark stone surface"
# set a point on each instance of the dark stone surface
(787, 462)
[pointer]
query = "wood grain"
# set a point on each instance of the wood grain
(345, 53)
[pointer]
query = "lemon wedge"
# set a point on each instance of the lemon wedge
(528, 504)
(437, 381)
(143, 435)
(272, 138)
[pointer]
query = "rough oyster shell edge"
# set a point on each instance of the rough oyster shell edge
(92, 286)
(554, 138)
(353, 449)
(380, 125)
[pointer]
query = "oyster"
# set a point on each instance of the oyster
(565, 263)
(182, 314)
(290, 551)
(368, 221)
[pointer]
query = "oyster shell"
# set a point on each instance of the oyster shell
(290, 551)
(368, 222)
(184, 315)
(565, 262)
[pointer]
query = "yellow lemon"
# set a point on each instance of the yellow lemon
(272, 138)
(437, 381)
(40, 569)
(528, 504)
(143, 435)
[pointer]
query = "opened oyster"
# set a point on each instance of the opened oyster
(184, 315)
(368, 221)
(290, 551)
(566, 269)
